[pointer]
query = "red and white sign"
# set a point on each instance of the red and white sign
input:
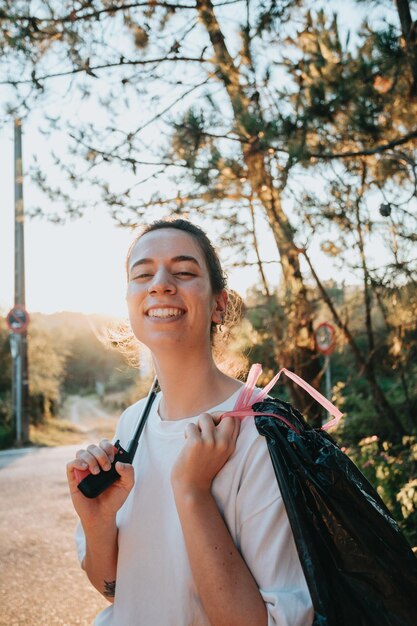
(18, 319)
(325, 336)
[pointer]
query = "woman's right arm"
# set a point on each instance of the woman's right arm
(98, 515)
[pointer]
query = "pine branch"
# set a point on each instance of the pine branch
(90, 69)
(168, 107)
(351, 153)
(256, 248)
(76, 16)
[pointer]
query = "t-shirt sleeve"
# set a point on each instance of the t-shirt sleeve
(267, 544)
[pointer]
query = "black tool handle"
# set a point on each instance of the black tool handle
(94, 484)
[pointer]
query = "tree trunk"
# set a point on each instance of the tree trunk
(409, 32)
(301, 355)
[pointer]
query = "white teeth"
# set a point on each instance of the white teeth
(165, 312)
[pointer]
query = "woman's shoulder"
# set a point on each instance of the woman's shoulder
(250, 443)
(248, 477)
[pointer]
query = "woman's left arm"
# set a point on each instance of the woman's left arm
(226, 587)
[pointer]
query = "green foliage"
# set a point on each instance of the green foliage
(46, 358)
(6, 436)
(6, 417)
(390, 465)
(300, 93)
(65, 356)
(188, 137)
(388, 47)
(392, 470)
(87, 357)
(5, 358)
(272, 14)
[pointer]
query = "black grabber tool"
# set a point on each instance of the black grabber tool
(92, 485)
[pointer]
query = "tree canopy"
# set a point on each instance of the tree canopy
(237, 112)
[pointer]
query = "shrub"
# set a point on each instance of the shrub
(392, 470)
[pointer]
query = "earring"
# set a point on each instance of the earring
(220, 326)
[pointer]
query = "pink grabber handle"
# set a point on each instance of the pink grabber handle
(247, 399)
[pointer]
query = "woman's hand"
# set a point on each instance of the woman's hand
(208, 445)
(96, 510)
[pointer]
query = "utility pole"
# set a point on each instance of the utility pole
(18, 318)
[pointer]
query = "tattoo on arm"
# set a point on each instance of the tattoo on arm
(109, 588)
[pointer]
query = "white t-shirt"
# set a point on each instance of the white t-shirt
(154, 584)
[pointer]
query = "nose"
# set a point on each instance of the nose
(161, 283)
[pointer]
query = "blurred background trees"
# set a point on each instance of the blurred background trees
(68, 355)
(288, 117)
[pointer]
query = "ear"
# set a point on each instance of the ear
(220, 305)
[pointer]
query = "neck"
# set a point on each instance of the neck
(191, 385)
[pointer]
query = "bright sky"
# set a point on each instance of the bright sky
(75, 267)
(79, 266)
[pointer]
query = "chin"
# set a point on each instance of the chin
(160, 340)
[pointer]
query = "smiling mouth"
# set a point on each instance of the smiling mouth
(165, 313)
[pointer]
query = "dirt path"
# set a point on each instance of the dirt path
(41, 583)
(88, 414)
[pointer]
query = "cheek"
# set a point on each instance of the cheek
(207, 300)
(134, 295)
(133, 290)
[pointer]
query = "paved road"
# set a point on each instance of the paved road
(41, 583)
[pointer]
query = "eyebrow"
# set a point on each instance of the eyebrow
(175, 259)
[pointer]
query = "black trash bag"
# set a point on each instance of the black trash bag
(359, 568)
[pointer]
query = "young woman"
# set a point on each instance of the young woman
(195, 532)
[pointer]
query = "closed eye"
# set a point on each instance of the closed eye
(144, 275)
(141, 276)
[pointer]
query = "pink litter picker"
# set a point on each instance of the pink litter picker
(247, 397)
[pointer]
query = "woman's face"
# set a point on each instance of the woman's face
(169, 296)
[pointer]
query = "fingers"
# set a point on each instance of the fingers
(226, 434)
(207, 448)
(207, 427)
(216, 415)
(71, 477)
(214, 431)
(127, 475)
(95, 457)
(108, 448)
(192, 432)
(203, 430)
(229, 427)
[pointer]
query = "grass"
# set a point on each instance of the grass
(63, 432)
(55, 432)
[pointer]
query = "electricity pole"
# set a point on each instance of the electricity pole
(18, 318)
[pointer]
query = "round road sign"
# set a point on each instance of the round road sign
(325, 338)
(17, 319)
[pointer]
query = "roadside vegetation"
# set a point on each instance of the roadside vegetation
(290, 129)
(72, 360)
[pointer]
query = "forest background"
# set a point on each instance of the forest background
(265, 121)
